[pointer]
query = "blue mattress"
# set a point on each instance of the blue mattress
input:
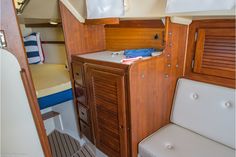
(54, 99)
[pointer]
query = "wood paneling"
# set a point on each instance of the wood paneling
(211, 76)
(175, 51)
(134, 34)
(215, 52)
(133, 38)
(155, 82)
(80, 38)
(102, 21)
(108, 104)
(14, 41)
(147, 105)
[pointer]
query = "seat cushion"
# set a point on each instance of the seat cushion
(206, 109)
(175, 141)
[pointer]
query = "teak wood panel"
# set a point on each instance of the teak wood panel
(175, 51)
(152, 85)
(80, 38)
(108, 105)
(147, 105)
(10, 26)
(133, 38)
(215, 52)
(191, 50)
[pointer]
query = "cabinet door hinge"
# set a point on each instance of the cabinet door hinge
(193, 63)
(196, 35)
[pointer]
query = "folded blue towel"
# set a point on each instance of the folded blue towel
(139, 52)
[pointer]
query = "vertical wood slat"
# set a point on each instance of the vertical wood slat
(215, 52)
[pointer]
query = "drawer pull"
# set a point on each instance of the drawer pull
(82, 113)
(77, 74)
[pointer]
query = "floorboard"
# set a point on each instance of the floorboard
(63, 145)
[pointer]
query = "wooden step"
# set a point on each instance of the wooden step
(49, 115)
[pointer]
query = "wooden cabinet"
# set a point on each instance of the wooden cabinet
(108, 105)
(211, 52)
(215, 52)
(124, 102)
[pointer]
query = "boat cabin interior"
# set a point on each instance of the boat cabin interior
(121, 78)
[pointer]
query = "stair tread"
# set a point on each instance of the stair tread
(49, 115)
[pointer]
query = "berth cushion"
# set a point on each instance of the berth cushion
(175, 141)
(206, 109)
(50, 78)
(55, 99)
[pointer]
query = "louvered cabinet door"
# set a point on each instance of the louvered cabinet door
(215, 52)
(107, 100)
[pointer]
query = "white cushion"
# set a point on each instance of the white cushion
(206, 109)
(175, 141)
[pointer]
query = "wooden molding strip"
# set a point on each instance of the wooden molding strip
(102, 21)
(42, 25)
(138, 24)
(53, 42)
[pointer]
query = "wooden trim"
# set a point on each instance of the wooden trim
(138, 24)
(42, 25)
(36, 115)
(15, 46)
(52, 42)
(102, 21)
(199, 49)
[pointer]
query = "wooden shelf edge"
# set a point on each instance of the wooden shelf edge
(53, 42)
(40, 25)
(102, 21)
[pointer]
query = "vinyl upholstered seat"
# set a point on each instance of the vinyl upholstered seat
(175, 141)
(202, 124)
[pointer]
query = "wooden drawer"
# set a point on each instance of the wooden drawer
(78, 73)
(80, 94)
(86, 130)
(83, 114)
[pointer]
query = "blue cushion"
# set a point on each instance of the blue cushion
(54, 99)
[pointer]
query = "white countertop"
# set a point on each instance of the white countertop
(108, 56)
